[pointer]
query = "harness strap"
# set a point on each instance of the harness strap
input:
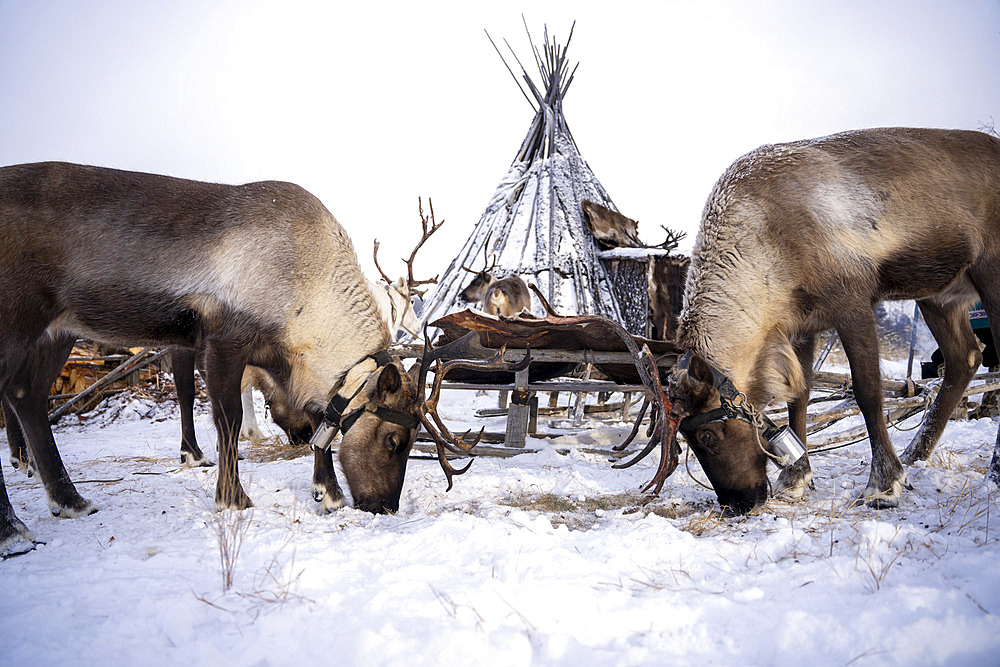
(735, 405)
(383, 413)
(335, 419)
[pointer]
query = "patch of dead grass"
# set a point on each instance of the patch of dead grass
(274, 449)
(583, 512)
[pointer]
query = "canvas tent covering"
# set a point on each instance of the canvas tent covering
(533, 224)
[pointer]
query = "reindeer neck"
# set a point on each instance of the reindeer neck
(732, 303)
(336, 322)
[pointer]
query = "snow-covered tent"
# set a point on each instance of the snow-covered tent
(533, 223)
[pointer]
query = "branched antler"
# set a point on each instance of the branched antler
(673, 239)
(428, 227)
(487, 265)
(466, 352)
(664, 415)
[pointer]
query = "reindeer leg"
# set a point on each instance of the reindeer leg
(15, 538)
(224, 365)
(795, 479)
(249, 428)
(953, 333)
(182, 361)
(19, 458)
(857, 334)
(989, 293)
(28, 395)
(326, 490)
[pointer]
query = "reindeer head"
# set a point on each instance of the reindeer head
(726, 438)
(378, 431)
(476, 290)
(379, 421)
(293, 422)
(402, 298)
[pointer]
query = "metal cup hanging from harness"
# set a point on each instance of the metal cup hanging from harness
(784, 444)
(335, 420)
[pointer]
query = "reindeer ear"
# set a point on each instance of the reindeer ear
(699, 370)
(414, 371)
(389, 380)
(691, 383)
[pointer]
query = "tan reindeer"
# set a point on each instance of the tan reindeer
(800, 237)
(506, 297)
(259, 274)
(395, 298)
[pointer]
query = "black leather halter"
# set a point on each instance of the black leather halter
(735, 405)
(334, 416)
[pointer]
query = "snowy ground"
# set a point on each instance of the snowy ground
(538, 559)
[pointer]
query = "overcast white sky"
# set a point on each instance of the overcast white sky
(372, 104)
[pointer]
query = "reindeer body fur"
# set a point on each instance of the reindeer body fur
(800, 237)
(507, 297)
(236, 271)
(395, 306)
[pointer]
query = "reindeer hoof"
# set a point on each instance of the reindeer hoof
(887, 499)
(232, 499)
(15, 540)
(793, 481)
(75, 510)
(252, 435)
(19, 463)
(917, 450)
(329, 501)
(238, 505)
(189, 460)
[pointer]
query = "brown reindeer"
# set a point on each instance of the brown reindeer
(476, 289)
(800, 237)
(506, 297)
(258, 274)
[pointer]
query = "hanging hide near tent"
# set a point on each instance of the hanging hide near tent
(610, 228)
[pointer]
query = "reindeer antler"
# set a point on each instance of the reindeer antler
(375, 256)
(673, 239)
(487, 267)
(664, 416)
(466, 352)
(427, 231)
(428, 227)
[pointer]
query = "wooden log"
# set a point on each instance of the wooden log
(591, 386)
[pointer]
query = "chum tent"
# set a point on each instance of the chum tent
(533, 224)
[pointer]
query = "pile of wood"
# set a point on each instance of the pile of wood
(89, 362)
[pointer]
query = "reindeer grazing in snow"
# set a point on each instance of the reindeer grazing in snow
(506, 297)
(395, 303)
(259, 274)
(800, 237)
